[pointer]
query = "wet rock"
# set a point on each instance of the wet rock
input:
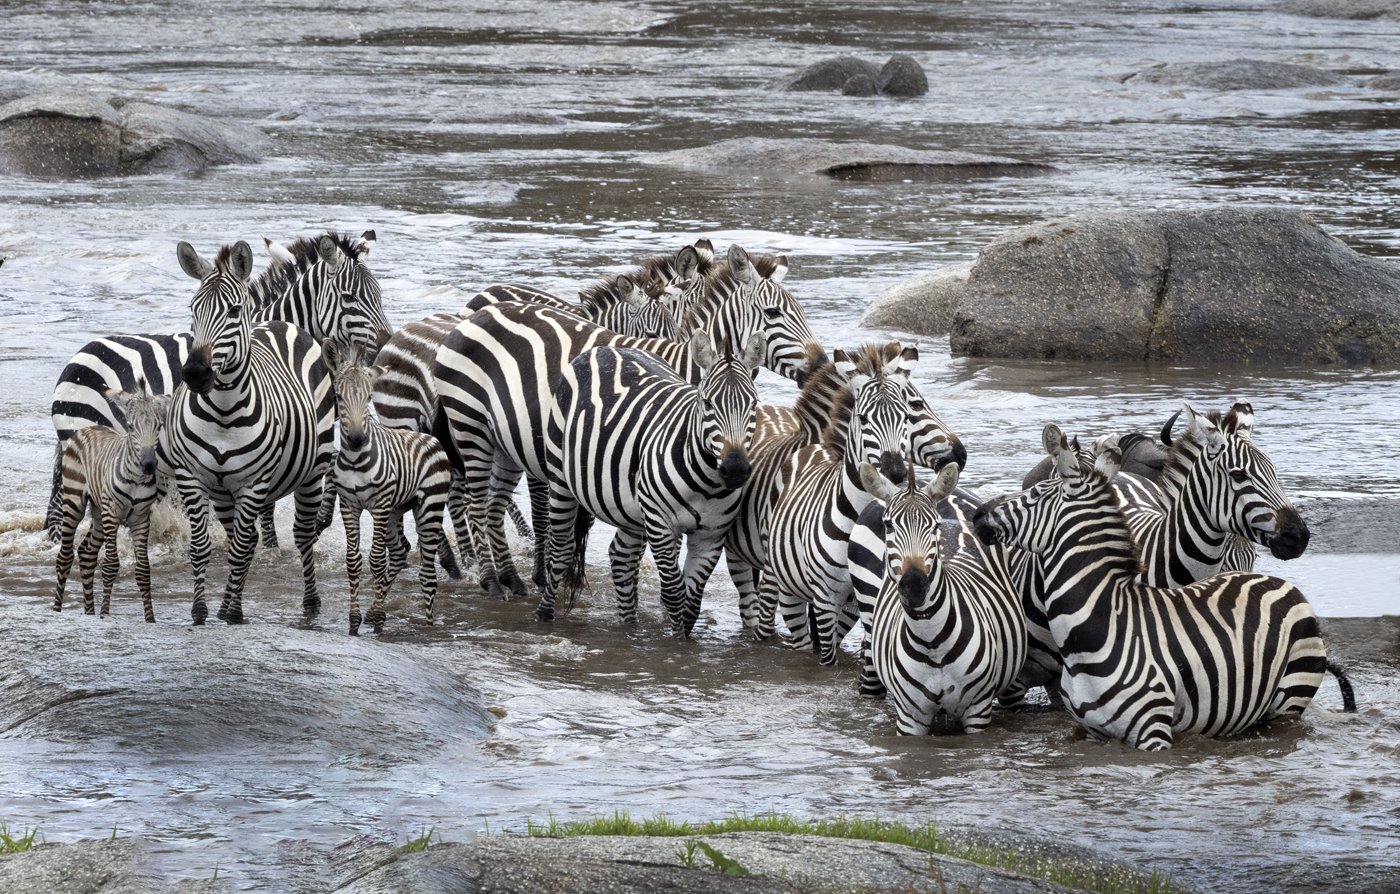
(1343, 9)
(1390, 82)
(90, 867)
(859, 85)
(924, 304)
(75, 134)
(1237, 74)
(1203, 286)
(843, 161)
(902, 76)
(169, 688)
(831, 74)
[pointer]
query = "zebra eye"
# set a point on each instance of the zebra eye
(772, 313)
(917, 406)
(1238, 476)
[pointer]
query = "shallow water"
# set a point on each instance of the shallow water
(508, 143)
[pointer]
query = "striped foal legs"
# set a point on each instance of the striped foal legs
(304, 533)
(625, 557)
(110, 563)
(196, 500)
(140, 544)
(350, 517)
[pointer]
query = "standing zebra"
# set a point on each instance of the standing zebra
(252, 420)
(633, 444)
(947, 634)
(322, 285)
(1141, 663)
(496, 370)
(385, 471)
(113, 473)
(816, 509)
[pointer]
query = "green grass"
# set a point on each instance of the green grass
(422, 842)
(926, 838)
(14, 844)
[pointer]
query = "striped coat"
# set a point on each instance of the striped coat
(1144, 664)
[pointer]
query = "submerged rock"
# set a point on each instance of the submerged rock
(859, 85)
(831, 74)
(1201, 286)
(843, 161)
(1237, 74)
(76, 134)
(902, 76)
(1360, 10)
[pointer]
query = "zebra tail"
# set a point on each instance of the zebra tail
(575, 579)
(443, 433)
(53, 516)
(522, 527)
(1348, 694)
(448, 559)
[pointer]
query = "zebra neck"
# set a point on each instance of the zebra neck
(851, 495)
(1093, 553)
(1182, 462)
(698, 455)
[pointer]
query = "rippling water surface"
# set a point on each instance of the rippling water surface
(509, 143)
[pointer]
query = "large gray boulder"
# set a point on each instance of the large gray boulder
(1237, 74)
(831, 74)
(902, 76)
(925, 304)
(77, 134)
(1261, 286)
(843, 161)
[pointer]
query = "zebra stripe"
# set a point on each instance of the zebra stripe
(496, 370)
(820, 501)
(631, 443)
(1141, 663)
(252, 420)
(386, 472)
(946, 634)
(114, 474)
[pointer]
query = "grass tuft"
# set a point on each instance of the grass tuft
(1116, 880)
(422, 842)
(14, 844)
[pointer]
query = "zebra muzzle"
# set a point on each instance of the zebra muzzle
(1292, 535)
(983, 525)
(198, 371)
(734, 469)
(913, 586)
(958, 454)
(894, 467)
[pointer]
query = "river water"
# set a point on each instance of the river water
(509, 142)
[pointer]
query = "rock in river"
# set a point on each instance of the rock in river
(831, 74)
(1237, 74)
(78, 134)
(1197, 286)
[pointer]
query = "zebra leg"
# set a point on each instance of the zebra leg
(457, 508)
(870, 683)
(625, 556)
(977, 717)
(843, 619)
(304, 534)
(562, 517)
(248, 511)
(702, 549)
(503, 482)
(196, 500)
(396, 542)
(326, 514)
(140, 545)
(745, 577)
(794, 611)
(427, 518)
(350, 517)
(87, 562)
(269, 527)
(539, 512)
(476, 487)
(907, 723)
(665, 550)
(110, 563)
(68, 524)
(379, 564)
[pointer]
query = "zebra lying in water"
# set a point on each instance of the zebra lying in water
(112, 473)
(1143, 664)
(630, 442)
(385, 471)
(947, 634)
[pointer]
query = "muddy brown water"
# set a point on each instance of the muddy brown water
(508, 142)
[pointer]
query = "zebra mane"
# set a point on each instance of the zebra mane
(605, 293)
(1181, 456)
(1106, 498)
(279, 275)
(870, 359)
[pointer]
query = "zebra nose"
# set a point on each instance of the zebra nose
(198, 371)
(734, 469)
(913, 585)
(982, 522)
(1292, 535)
(959, 454)
(893, 467)
(355, 439)
(148, 465)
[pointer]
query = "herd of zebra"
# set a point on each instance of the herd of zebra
(1122, 586)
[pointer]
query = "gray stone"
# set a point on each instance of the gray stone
(902, 76)
(831, 74)
(1199, 286)
(1237, 74)
(76, 134)
(843, 161)
(859, 85)
(924, 304)
(91, 867)
(1390, 82)
(1343, 9)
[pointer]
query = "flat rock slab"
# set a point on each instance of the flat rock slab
(76, 134)
(91, 867)
(843, 161)
(1237, 74)
(171, 688)
(1360, 10)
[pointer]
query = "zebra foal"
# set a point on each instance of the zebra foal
(947, 634)
(1143, 664)
(630, 442)
(385, 471)
(112, 474)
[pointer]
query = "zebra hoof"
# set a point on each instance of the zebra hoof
(233, 618)
(496, 591)
(518, 588)
(544, 615)
(223, 613)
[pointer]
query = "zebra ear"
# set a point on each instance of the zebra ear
(1239, 421)
(755, 350)
(1108, 456)
(374, 372)
(702, 348)
(741, 266)
(875, 484)
(367, 240)
(194, 266)
(330, 253)
(846, 367)
(943, 485)
(781, 270)
(687, 264)
(705, 249)
(278, 252)
(241, 260)
(632, 294)
(1053, 439)
(118, 399)
(330, 355)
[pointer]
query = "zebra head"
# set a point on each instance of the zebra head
(348, 303)
(738, 299)
(1242, 487)
(912, 529)
(628, 306)
(221, 313)
(145, 416)
(728, 401)
(878, 430)
(934, 444)
(354, 384)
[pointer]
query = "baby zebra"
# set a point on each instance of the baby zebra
(633, 444)
(386, 471)
(114, 472)
(948, 634)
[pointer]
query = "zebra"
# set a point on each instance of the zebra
(633, 444)
(820, 500)
(385, 471)
(1143, 664)
(823, 402)
(111, 475)
(946, 634)
(252, 420)
(322, 285)
(495, 371)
